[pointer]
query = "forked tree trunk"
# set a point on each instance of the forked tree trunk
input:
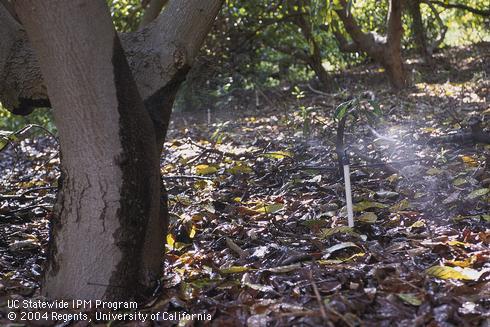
(385, 49)
(108, 235)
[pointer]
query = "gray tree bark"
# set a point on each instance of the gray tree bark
(152, 11)
(159, 56)
(108, 234)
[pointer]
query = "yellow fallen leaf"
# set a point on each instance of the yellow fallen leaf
(277, 155)
(338, 261)
(418, 224)
(458, 243)
(192, 232)
(170, 240)
(393, 178)
(205, 169)
(463, 263)
(271, 208)
(470, 161)
(445, 272)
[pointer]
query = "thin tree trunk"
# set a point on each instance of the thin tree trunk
(393, 60)
(314, 57)
(418, 30)
(107, 235)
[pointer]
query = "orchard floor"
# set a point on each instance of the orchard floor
(258, 222)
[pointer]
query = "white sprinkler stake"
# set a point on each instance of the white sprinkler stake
(348, 196)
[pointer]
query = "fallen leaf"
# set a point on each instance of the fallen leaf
(271, 208)
(445, 272)
(470, 161)
(205, 169)
(368, 218)
(477, 193)
(338, 247)
(364, 205)
(327, 232)
(410, 298)
(234, 270)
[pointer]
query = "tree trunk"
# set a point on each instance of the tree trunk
(107, 236)
(386, 50)
(393, 60)
(159, 55)
(418, 30)
(152, 11)
(314, 56)
(316, 64)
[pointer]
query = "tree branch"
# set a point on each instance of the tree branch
(480, 12)
(436, 43)
(152, 11)
(344, 45)
(7, 5)
(159, 54)
(368, 42)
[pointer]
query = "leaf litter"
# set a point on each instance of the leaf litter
(258, 231)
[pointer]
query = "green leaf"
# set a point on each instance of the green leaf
(459, 181)
(240, 168)
(328, 232)
(400, 206)
(3, 142)
(342, 110)
(234, 270)
(376, 108)
(364, 205)
(477, 193)
(410, 298)
(368, 218)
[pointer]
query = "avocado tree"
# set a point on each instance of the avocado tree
(112, 97)
(384, 49)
